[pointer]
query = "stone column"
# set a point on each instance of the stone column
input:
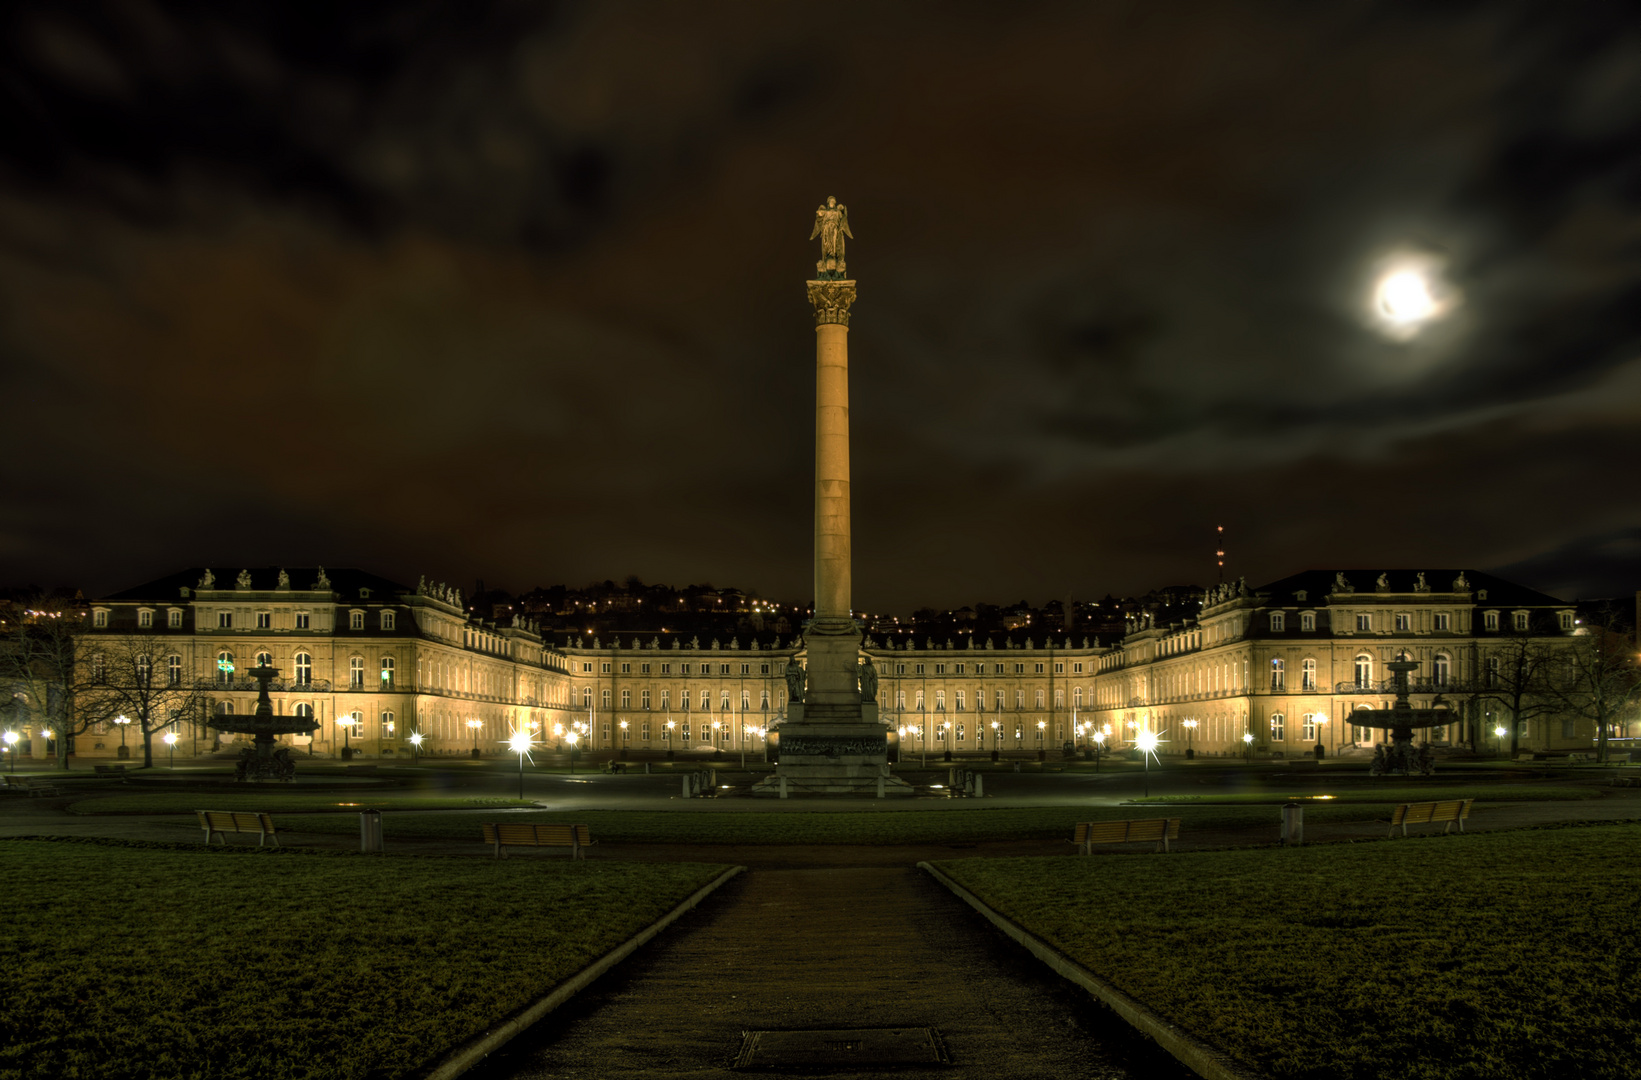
(832, 636)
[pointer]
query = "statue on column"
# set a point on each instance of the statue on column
(796, 677)
(831, 225)
(868, 681)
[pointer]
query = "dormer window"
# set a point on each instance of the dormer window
(173, 618)
(99, 617)
(1490, 620)
(1518, 620)
(1301, 595)
(1279, 622)
(1307, 621)
(145, 618)
(364, 594)
(356, 620)
(388, 621)
(1566, 620)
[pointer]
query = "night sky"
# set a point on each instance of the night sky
(515, 291)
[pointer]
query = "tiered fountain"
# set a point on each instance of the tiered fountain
(260, 761)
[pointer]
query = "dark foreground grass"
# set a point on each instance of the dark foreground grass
(1502, 956)
(145, 962)
(946, 825)
(185, 802)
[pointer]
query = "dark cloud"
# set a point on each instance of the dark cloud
(515, 290)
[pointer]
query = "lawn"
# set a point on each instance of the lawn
(956, 824)
(1505, 956)
(1396, 794)
(186, 802)
(151, 962)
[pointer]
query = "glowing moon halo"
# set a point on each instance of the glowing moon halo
(1404, 297)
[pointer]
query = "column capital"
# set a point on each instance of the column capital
(831, 300)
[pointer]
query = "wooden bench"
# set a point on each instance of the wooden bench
(1624, 781)
(1148, 830)
(109, 770)
(32, 788)
(1429, 813)
(222, 822)
(578, 838)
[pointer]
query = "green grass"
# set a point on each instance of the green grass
(186, 802)
(944, 826)
(1388, 794)
(1505, 956)
(146, 962)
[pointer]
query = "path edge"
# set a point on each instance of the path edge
(475, 1050)
(1190, 1051)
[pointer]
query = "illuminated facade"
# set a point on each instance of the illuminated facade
(1294, 664)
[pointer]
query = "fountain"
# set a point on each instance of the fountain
(261, 761)
(1401, 756)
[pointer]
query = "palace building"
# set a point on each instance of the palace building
(1278, 669)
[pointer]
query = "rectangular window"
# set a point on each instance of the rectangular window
(1491, 620)
(604, 667)
(919, 669)
(1307, 621)
(173, 669)
(145, 619)
(644, 731)
(644, 699)
(1019, 669)
(302, 620)
(225, 620)
(900, 669)
(1364, 622)
(1444, 621)
(1276, 727)
(643, 669)
(1566, 620)
(962, 700)
(940, 669)
(746, 669)
(626, 669)
(626, 700)
(356, 620)
(1279, 622)
(1039, 699)
(1077, 668)
(1308, 729)
(723, 669)
(1039, 669)
(173, 618)
(999, 701)
(763, 669)
(1059, 667)
(1569, 729)
(389, 620)
(1404, 622)
(683, 669)
(264, 620)
(1520, 620)
(604, 699)
(961, 668)
(1019, 699)
(1059, 697)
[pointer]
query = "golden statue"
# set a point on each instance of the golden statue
(831, 225)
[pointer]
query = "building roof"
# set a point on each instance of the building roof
(1318, 586)
(345, 581)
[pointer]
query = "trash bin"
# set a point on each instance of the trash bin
(370, 830)
(1293, 824)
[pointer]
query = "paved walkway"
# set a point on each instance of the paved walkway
(830, 948)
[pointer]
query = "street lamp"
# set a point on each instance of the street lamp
(1190, 729)
(1499, 733)
(475, 723)
(171, 745)
(671, 725)
(1099, 748)
(520, 742)
(1248, 745)
(416, 746)
(1147, 743)
(572, 738)
(346, 724)
(11, 738)
(123, 720)
(623, 726)
(996, 740)
(1041, 753)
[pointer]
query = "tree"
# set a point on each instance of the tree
(119, 676)
(1598, 680)
(1519, 682)
(38, 657)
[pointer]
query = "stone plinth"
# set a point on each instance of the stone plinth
(820, 757)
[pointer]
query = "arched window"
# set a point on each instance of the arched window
(1039, 699)
(304, 669)
(1364, 671)
(1307, 675)
(1277, 723)
(304, 710)
(145, 669)
(1308, 729)
(356, 673)
(1492, 672)
(387, 721)
(387, 672)
(225, 668)
(225, 708)
(940, 701)
(1441, 669)
(264, 659)
(1279, 675)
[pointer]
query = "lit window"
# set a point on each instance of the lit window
(225, 668)
(1364, 671)
(1279, 675)
(1307, 675)
(1276, 727)
(387, 672)
(962, 701)
(1308, 729)
(1039, 699)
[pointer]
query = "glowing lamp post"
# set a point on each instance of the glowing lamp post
(475, 723)
(11, 739)
(171, 746)
(1147, 743)
(1248, 745)
(572, 738)
(520, 743)
(1099, 748)
(624, 741)
(996, 740)
(671, 726)
(123, 720)
(1190, 730)
(416, 746)
(346, 724)
(1041, 726)
(1499, 733)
